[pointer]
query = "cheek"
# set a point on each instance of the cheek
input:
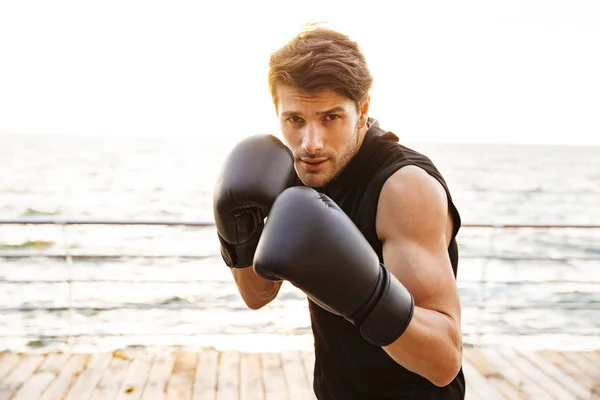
(290, 141)
(341, 140)
(292, 134)
(344, 148)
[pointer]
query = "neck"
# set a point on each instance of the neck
(360, 136)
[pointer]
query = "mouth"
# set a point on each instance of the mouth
(312, 164)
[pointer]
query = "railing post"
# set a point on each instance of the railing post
(69, 264)
(483, 283)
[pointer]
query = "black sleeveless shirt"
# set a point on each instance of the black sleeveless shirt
(347, 367)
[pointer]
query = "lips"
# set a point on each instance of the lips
(313, 160)
(313, 164)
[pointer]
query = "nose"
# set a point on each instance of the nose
(312, 142)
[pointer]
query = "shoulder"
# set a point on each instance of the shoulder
(411, 200)
(413, 183)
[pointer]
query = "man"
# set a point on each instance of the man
(363, 225)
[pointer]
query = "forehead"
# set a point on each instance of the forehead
(291, 99)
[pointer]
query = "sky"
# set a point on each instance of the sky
(509, 71)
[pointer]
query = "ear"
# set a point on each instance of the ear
(363, 112)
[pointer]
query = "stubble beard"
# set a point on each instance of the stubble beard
(335, 167)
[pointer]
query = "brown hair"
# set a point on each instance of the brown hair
(320, 58)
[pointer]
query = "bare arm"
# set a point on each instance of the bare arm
(415, 227)
(256, 292)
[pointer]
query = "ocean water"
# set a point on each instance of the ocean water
(194, 300)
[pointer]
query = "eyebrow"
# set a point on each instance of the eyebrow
(333, 110)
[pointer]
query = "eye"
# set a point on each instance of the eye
(331, 117)
(295, 119)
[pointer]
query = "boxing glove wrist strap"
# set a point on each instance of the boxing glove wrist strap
(391, 315)
(238, 255)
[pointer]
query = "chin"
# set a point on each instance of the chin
(313, 180)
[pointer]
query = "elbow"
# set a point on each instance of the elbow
(255, 304)
(448, 370)
(256, 301)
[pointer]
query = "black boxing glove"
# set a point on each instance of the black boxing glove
(256, 171)
(309, 241)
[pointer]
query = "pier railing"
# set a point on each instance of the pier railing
(480, 305)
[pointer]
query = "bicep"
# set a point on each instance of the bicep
(413, 224)
(426, 272)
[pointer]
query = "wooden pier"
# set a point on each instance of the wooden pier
(173, 373)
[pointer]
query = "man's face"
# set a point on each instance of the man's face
(323, 130)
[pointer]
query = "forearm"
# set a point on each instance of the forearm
(255, 291)
(431, 346)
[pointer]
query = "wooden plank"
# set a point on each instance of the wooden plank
(273, 378)
(112, 382)
(251, 385)
(477, 386)
(228, 379)
(513, 375)
(67, 375)
(308, 359)
(135, 382)
(89, 378)
(159, 375)
(593, 363)
(582, 364)
(529, 369)
(502, 385)
(471, 392)
(568, 367)
(295, 376)
(574, 388)
(180, 386)
(549, 388)
(595, 392)
(8, 361)
(13, 381)
(594, 357)
(38, 382)
(205, 384)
